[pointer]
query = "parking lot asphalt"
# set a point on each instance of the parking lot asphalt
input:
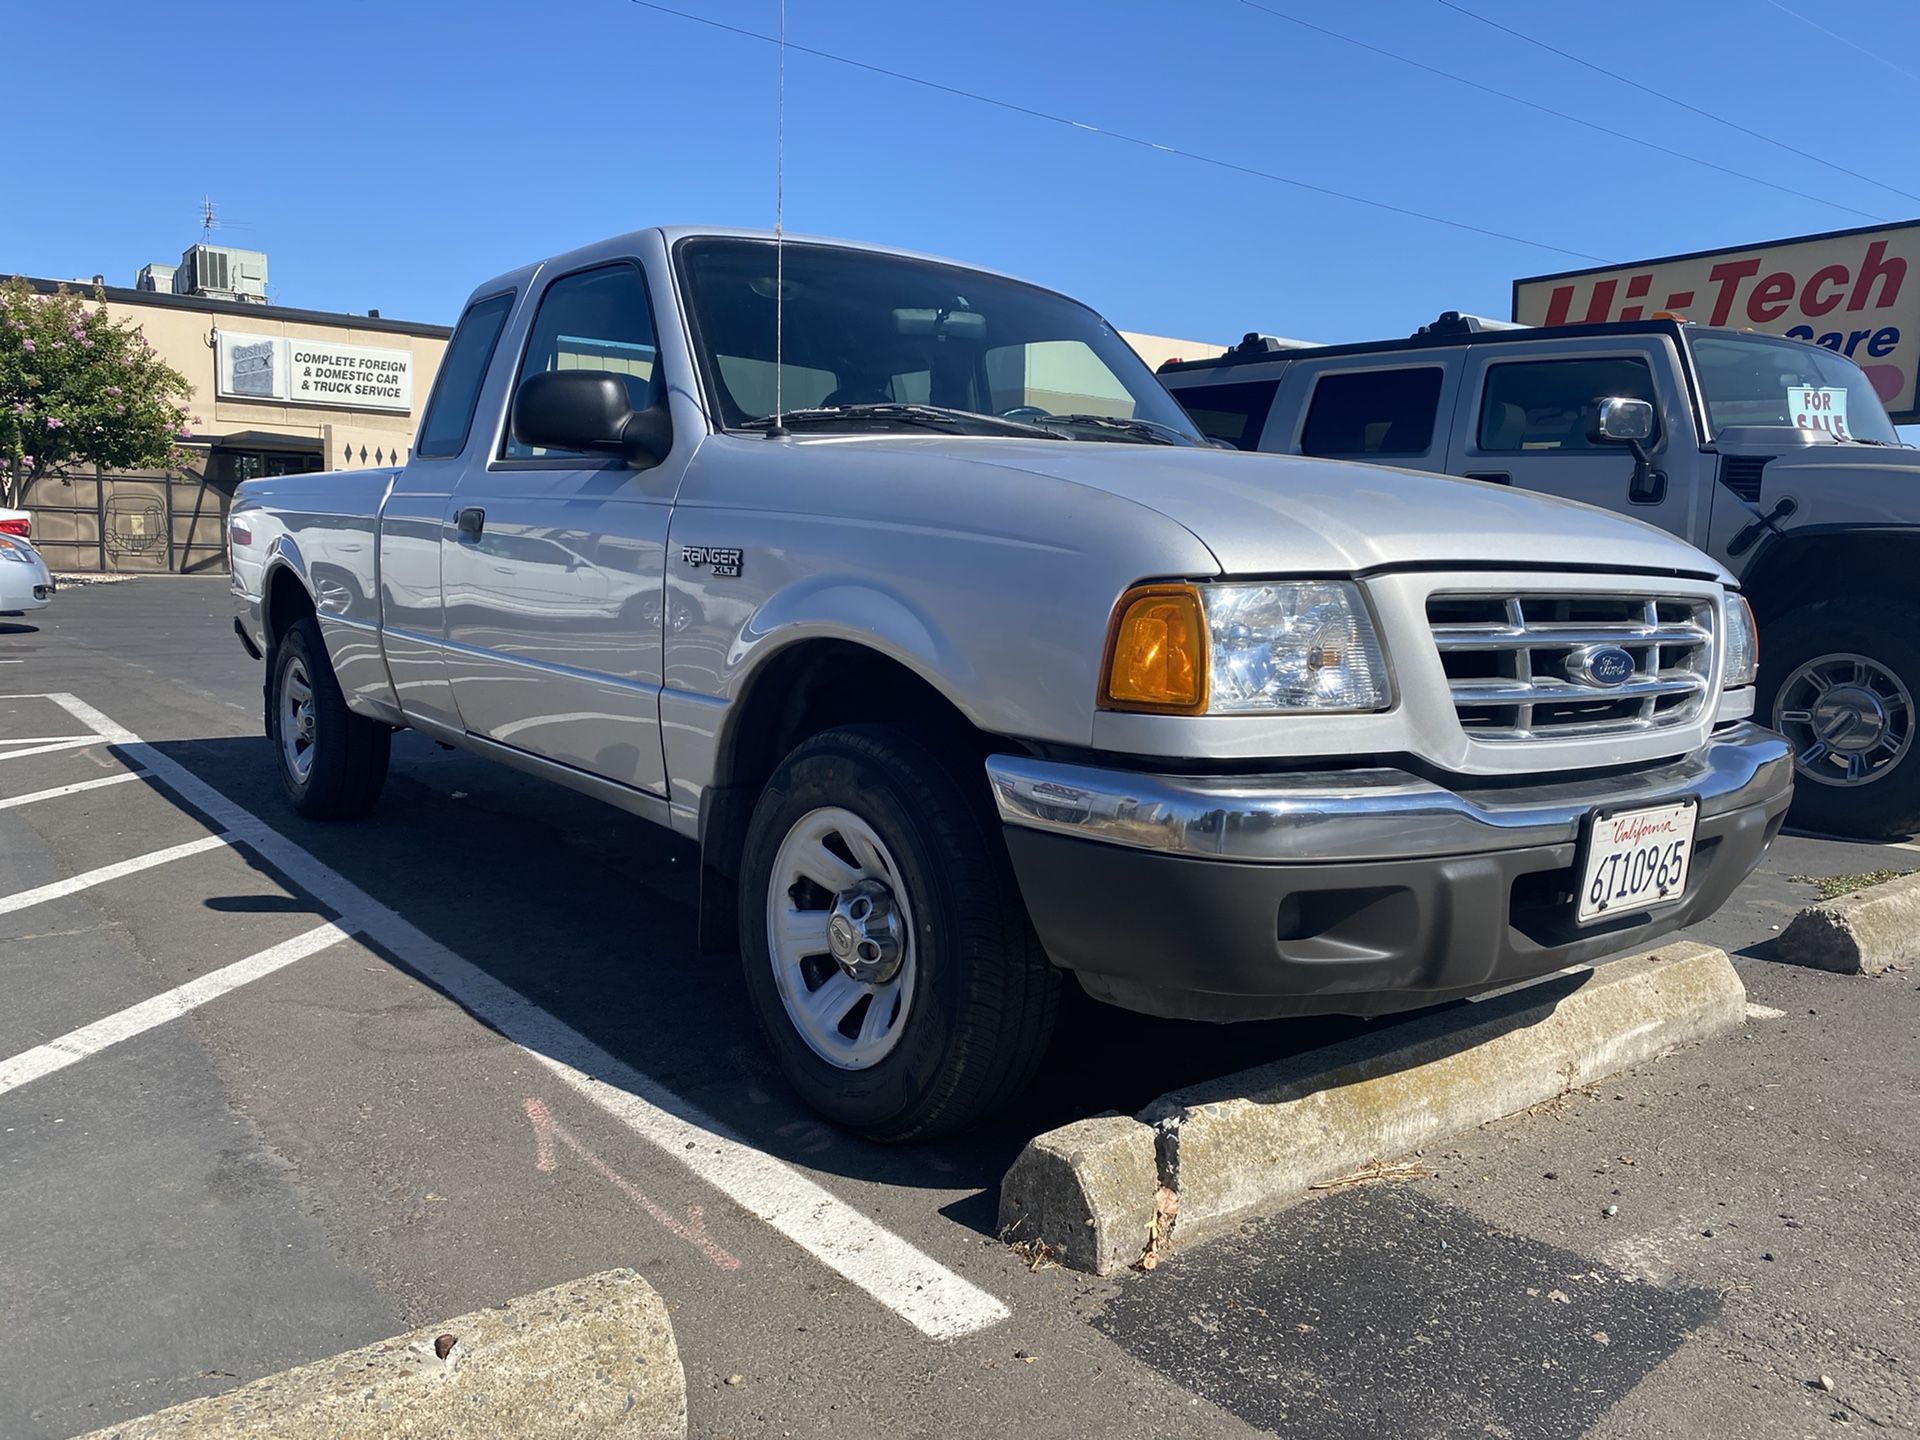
(233, 1140)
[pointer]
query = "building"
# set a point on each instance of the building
(275, 391)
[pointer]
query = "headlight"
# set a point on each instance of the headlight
(1300, 646)
(1743, 644)
(14, 550)
(1262, 649)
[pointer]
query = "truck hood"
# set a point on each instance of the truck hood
(1850, 484)
(1261, 514)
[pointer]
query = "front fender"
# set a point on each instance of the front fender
(861, 612)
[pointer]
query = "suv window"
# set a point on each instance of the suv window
(1373, 412)
(1543, 404)
(456, 390)
(1233, 413)
(595, 320)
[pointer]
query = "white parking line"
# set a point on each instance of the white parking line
(87, 879)
(44, 739)
(49, 747)
(57, 791)
(78, 1044)
(915, 1286)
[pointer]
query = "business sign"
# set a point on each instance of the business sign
(1857, 292)
(313, 372)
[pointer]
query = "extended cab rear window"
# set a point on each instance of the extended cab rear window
(1233, 413)
(1373, 412)
(456, 391)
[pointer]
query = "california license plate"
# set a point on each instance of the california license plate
(1637, 859)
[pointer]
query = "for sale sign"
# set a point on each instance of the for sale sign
(1857, 292)
(1815, 407)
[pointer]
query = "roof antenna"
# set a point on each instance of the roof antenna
(779, 238)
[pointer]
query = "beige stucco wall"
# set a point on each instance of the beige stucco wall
(1156, 350)
(184, 339)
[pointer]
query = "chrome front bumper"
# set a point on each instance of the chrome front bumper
(1367, 814)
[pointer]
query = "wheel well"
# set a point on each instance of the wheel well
(1797, 571)
(287, 602)
(807, 688)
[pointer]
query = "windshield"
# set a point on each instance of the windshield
(1757, 380)
(885, 341)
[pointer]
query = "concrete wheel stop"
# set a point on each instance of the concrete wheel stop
(592, 1357)
(1115, 1191)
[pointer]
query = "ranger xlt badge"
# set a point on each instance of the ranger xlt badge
(725, 562)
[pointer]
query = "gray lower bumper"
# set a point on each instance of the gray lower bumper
(1361, 892)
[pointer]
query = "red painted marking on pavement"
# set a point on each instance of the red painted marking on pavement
(693, 1229)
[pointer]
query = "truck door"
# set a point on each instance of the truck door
(412, 622)
(1522, 421)
(554, 561)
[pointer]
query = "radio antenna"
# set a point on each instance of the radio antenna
(779, 235)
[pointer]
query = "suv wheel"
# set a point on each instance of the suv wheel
(887, 952)
(332, 762)
(1839, 681)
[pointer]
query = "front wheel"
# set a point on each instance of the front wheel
(332, 762)
(1839, 680)
(888, 955)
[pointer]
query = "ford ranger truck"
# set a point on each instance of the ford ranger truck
(906, 592)
(1774, 455)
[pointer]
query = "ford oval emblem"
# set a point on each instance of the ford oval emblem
(1603, 666)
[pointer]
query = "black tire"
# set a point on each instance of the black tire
(347, 764)
(1888, 635)
(983, 991)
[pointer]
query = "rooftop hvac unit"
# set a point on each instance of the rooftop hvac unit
(155, 277)
(221, 272)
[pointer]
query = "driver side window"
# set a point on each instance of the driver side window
(595, 320)
(1542, 405)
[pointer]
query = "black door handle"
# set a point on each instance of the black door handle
(471, 521)
(1492, 477)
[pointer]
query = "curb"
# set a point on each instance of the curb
(1113, 1191)
(1858, 934)
(592, 1357)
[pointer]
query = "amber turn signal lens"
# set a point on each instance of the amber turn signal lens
(1157, 653)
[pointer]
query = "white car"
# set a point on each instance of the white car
(25, 581)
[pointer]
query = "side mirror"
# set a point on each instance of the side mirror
(1619, 421)
(588, 410)
(1616, 420)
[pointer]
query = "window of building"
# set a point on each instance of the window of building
(1533, 405)
(596, 320)
(1373, 412)
(1233, 413)
(443, 431)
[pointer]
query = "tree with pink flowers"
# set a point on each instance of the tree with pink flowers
(80, 388)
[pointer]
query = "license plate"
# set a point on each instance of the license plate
(1637, 859)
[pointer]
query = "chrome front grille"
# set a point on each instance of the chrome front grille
(1512, 661)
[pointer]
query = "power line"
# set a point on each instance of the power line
(1850, 44)
(1119, 135)
(1673, 100)
(1549, 110)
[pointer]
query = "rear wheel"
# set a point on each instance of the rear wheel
(887, 952)
(332, 762)
(1839, 681)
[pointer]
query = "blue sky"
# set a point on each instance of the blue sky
(393, 155)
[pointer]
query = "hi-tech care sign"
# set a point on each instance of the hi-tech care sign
(313, 372)
(1857, 292)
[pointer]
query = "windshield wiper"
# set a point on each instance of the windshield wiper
(931, 417)
(1150, 430)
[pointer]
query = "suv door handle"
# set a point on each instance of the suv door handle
(471, 521)
(1492, 477)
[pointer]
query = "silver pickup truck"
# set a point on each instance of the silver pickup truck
(908, 593)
